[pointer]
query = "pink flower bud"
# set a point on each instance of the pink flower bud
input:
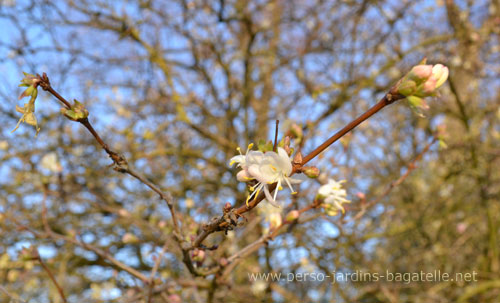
(422, 81)
(361, 195)
(440, 73)
(293, 215)
(421, 72)
(461, 227)
(198, 255)
(223, 262)
(429, 86)
(174, 299)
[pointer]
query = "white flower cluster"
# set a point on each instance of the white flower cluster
(333, 196)
(267, 168)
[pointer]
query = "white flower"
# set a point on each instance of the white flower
(244, 160)
(258, 287)
(272, 215)
(333, 196)
(270, 168)
(267, 168)
(240, 159)
(51, 163)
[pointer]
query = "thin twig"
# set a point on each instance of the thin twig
(51, 276)
(410, 167)
(55, 236)
(121, 165)
(119, 160)
(154, 270)
(275, 147)
(11, 296)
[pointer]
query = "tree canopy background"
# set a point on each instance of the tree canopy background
(176, 86)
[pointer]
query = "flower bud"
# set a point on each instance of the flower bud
(417, 102)
(174, 299)
(429, 86)
(198, 255)
(227, 207)
(286, 141)
(422, 81)
(297, 158)
(76, 112)
(274, 220)
(296, 131)
(29, 80)
(361, 196)
(123, 212)
(311, 171)
(129, 238)
(292, 215)
(28, 254)
(223, 262)
(407, 88)
(440, 73)
(420, 73)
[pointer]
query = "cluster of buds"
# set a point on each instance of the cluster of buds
(77, 112)
(28, 110)
(422, 81)
(309, 171)
(198, 255)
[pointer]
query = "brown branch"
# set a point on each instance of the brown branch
(252, 247)
(275, 147)
(388, 99)
(121, 165)
(11, 296)
(153, 272)
(55, 236)
(119, 160)
(51, 276)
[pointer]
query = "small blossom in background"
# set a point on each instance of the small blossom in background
(422, 81)
(50, 162)
(333, 196)
(272, 215)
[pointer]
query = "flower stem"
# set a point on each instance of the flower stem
(386, 100)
